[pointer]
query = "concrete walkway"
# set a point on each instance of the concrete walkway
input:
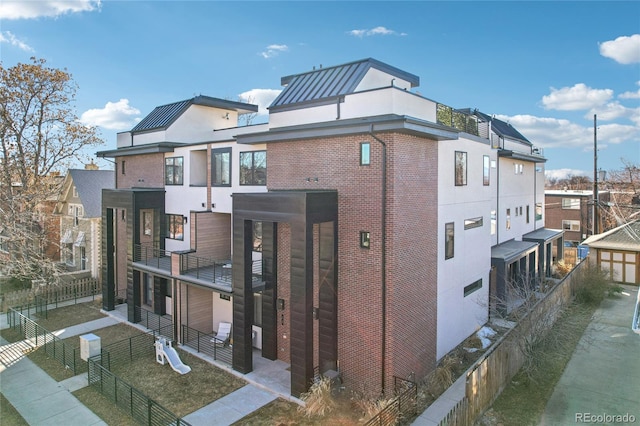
(603, 376)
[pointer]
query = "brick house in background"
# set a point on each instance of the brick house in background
(363, 229)
(79, 214)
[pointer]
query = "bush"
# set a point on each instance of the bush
(319, 400)
(593, 285)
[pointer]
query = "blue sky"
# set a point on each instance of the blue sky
(546, 67)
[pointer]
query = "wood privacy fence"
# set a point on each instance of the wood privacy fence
(495, 369)
(51, 294)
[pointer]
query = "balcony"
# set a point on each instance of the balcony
(152, 257)
(214, 271)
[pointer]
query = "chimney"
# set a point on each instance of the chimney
(91, 166)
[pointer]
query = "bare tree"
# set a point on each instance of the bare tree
(40, 136)
(624, 187)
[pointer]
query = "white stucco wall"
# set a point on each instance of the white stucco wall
(460, 316)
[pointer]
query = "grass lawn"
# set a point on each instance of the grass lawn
(103, 407)
(523, 401)
(66, 316)
(9, 415)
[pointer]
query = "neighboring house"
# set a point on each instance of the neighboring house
(572, 211)
(364, 228)
(80, 215)
(618, 252)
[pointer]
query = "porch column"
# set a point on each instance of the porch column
(328, 297)
(270, 293)
(301, 306)
(242, 296)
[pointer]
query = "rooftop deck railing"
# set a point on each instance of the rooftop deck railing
(464, 122)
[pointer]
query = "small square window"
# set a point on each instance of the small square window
(365, 154)
(365, 239)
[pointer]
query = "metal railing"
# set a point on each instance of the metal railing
(155, 322)
(207, 344)
(152, 256)
(402, 407)
(448, 116)
(39, 337)
(202, 268)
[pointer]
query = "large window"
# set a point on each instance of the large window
(253, 168)
(173, 170)
(147, 291)
(461, 168)
(571, 203)
(448, 240)
(175, 227)
(221, 167)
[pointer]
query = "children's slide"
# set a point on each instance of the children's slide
(164, 350)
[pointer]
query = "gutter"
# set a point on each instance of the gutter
(383, 261)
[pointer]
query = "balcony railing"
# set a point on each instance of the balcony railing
(150, 256)
(448, 116)
(216, 271)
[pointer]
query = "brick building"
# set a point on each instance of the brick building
(364, 229)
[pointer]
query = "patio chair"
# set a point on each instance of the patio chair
(222, 336)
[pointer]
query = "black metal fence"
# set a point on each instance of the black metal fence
(207, 344)
(39, 337)
(153, 321)
(402, 408)
(142, 408)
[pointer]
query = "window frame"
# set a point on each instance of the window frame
(571, 225)
(473, 222)
(473, 287)
(253, 180)
(570, 203)
(365, 239)
(449, 240)
(486, 170)
(365, 155)
(229, 172)
(174, 219)
(174, 167)
(460, 168)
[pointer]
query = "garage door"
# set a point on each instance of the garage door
(622, 266)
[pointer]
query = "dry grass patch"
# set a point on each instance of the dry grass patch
(66, 316)
(180, 394)
(9, 414)
(103, 407)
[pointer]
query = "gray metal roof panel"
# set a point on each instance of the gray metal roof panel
(625, 237)
(89, 184)
(333, 81)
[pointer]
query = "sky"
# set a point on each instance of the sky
(546, 67)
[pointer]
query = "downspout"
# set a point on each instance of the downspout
(383, 261)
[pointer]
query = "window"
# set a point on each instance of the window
(147, 222)
(75, 192)
(67, 255)
(571, 225)
(257, 236)
(475, 222)
(122, 170)
(494, 222)
(365, 153)
(485, 170)
(508, 218)
(474, 286)
(571, 203)
(365, 239)
(175, 224)
(461, 168)
(76, 212)
(173, 171)
(518, 168)
(448, 240)
(538, 211)
(221, 167)
(528, 213)
(147, 291)
(257, 309)
(253, 168)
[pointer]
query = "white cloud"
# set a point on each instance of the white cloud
(8, 37)
(32, 9)
(274, 50)
(610, 111)
(262, 97)
(624, 49)
(374, 31)
(114, 116)
(548, 132)
(580, 96)
(563, 173)
(631, 95)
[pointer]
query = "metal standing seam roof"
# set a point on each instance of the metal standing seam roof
(502, 128)
(163, 116)
(331, 82)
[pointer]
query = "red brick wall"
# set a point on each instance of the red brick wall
(411, 247)
(141, 171)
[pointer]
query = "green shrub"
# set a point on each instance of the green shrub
(593, 285)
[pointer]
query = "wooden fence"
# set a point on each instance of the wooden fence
(495, 369)
(51, 294)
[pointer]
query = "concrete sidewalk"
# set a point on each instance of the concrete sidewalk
(603, 376)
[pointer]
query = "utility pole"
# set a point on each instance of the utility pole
(595, 177)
